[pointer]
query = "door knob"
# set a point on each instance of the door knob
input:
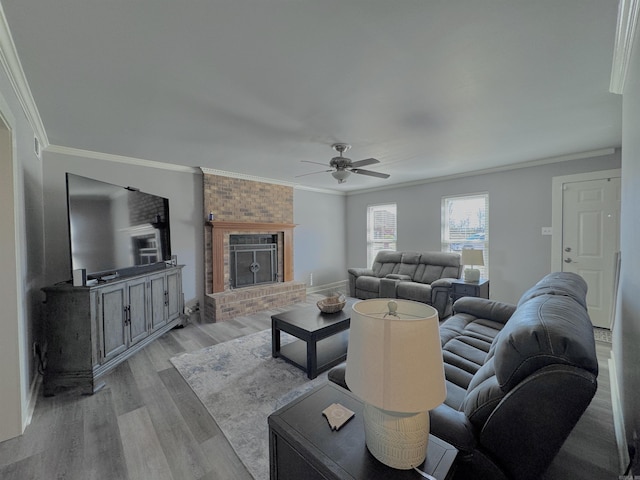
(567, 249)
(568, 260)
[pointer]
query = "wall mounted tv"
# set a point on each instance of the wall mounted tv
(114, 229)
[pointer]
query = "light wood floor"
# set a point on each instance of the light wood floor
(148, 424)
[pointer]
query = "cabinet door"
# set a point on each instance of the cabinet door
(174, 294)
(158, 300)
(137, 312)
(113, 303)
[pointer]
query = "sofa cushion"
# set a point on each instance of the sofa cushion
(483, 394)
(465, 341)
(545, 330)
(418, 292)
(386, 262)
(436, 265)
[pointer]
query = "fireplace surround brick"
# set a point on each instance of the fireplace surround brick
(247, 201)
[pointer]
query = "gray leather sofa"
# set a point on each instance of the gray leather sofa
(422, 277)
(518, 378)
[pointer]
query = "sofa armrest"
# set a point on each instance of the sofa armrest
(357, 272)
(441, 296)
(484, 308)
(442, 282)
(354, 273)
(453, 427)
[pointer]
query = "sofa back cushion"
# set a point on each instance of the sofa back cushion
(566, 284)
(435, 265)
(409, 263)
(386, 262)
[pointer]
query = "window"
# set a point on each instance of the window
(465, 224)
(381, 229)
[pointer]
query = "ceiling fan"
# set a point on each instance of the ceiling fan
(342, 167)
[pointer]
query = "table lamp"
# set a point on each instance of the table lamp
(472, 257)
(394, 364)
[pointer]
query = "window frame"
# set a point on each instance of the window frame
(447, 243)
(371, 248)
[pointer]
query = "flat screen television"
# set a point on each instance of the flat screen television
(115, 229)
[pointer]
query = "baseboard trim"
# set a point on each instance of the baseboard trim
(618, 420)
(328, 288)
(34, 392)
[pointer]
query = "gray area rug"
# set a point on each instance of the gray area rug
(241, 384)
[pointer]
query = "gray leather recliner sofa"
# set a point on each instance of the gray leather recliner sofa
(422, 277)
(518, 377)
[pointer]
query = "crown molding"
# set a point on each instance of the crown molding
(321, 190)
(253, 178)
(625, 35)
(108, 157)
(514, 166)
(12, 66)
(243, 176)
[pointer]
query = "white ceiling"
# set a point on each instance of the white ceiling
(429, 87)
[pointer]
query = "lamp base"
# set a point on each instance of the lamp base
(471, 275)
(396, 439)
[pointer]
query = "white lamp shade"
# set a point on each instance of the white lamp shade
(395, 363)
(472, 257)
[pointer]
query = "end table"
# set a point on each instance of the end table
(460, 288)
(302, 444)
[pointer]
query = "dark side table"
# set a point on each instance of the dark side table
(302, 445)
(460, 288)
(323, 337)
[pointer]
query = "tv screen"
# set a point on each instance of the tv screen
(112, 228)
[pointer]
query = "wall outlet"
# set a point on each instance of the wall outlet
(311, 279)
(547, 231)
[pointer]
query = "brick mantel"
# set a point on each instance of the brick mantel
(220, 229)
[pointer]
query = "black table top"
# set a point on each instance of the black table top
(311, 319)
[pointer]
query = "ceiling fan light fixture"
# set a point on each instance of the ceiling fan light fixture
(341, 175)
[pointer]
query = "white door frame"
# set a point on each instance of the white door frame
(556, 208)
(13, 374)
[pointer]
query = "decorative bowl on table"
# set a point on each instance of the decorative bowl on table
(332, 304)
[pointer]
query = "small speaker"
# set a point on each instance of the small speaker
(80, 277)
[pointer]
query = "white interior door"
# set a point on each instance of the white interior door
(591, 238)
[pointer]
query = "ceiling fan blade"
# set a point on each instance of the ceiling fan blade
(317, 163)
(365, 162)
(370, 173)
(313, 173)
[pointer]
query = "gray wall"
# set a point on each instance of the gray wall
(519, 206)
(320, 237)
(626, 331)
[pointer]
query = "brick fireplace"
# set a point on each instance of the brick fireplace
(242, 207)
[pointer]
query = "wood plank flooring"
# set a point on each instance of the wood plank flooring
(148, 424)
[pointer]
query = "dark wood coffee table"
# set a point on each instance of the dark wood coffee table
(323, 337)
(302, 445)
